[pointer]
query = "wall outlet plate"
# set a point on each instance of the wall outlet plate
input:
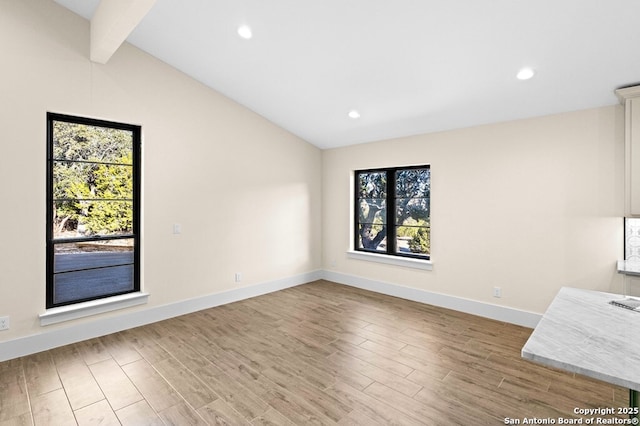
(4, 323)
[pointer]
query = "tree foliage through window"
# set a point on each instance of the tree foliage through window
(93, 179)
(93, 215)
(393, 211)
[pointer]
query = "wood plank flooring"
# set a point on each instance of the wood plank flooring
(316, 354)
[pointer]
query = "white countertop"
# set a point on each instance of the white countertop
(582, 333)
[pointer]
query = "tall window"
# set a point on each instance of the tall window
(93, 209)
(392, 211)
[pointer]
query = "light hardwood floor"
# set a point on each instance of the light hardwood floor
(320, 353)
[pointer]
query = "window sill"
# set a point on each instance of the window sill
(391, 260)
(94, 307)
(629, 267)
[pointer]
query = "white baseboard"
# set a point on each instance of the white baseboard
(487, 310)
(87, 330)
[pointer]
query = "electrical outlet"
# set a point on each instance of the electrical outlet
(238, 277)
(4, 323)
(177, 228)
(497, 292)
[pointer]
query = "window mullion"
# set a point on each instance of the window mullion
(356, 211)
(391, 212)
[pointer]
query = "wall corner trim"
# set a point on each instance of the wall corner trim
(46, 340)
(102, 326)
(474, 307)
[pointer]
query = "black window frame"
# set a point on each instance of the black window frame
(51, 242)
(391, 248)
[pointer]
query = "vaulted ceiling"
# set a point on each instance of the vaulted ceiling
(406, 66)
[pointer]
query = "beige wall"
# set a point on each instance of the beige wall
(528, 206)
(246, 192)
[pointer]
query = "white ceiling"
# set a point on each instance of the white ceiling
(408, 66)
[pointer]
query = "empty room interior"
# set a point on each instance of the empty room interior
(355, 213)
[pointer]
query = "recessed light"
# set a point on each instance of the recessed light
(245, 32)
(525, 74)
(354, 114)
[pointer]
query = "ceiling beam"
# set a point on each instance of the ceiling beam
(112, 23)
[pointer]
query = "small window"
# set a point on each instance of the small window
(93, 209)
(392, 211)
